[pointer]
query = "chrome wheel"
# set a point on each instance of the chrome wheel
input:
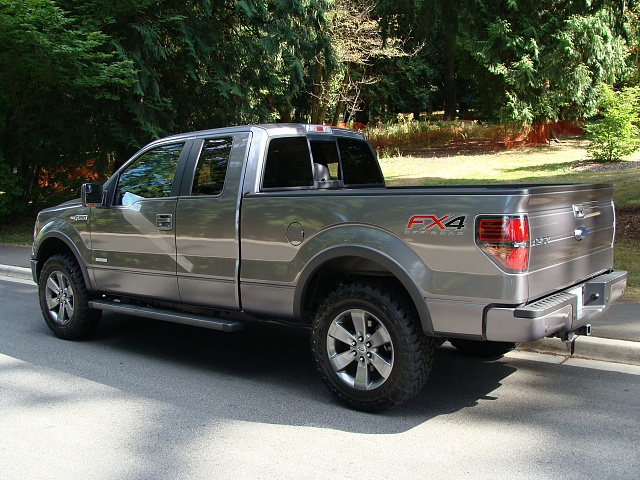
(360, 349)
(64, 299)
(368, 346)
(60, 298)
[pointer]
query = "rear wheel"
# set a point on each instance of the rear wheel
(481, 349)
(369, 347)
(64, 299)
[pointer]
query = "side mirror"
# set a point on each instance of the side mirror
(91, 194)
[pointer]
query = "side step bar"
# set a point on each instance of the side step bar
(168, 315)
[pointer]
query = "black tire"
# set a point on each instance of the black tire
(481, 349)
(369, 347)
(64, 299)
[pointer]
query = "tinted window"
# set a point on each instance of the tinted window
(288, 163)
(150, 176)
(325, 153)
(359, 166)
(212, 167)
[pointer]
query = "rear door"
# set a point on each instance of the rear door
(207, 233)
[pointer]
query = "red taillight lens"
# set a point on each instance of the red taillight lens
(505, 229)
(505, 240)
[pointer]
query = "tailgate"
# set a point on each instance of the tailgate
(571, 233)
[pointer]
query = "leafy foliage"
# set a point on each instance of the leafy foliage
(543, 60)
(614, 135)
(55, 76)
(87, 82)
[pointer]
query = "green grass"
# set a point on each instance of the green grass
(19, 232)
(627, 258)
(552, 164)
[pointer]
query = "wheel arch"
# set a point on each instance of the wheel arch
(56, 242)
(330, 266)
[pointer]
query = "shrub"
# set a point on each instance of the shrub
(613, 136)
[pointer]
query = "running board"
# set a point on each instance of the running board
(168, 315)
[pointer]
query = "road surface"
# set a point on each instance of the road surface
(147, 399)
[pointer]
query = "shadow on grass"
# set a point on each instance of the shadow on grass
(561, 168)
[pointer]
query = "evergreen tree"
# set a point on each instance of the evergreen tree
(55, 78)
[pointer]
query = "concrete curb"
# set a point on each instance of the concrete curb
(596, 348)
(15, 272)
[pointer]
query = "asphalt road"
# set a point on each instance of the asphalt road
(147, 399)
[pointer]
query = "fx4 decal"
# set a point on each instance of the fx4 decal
(435, 224)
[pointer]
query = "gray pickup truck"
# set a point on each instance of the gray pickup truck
(294, 223)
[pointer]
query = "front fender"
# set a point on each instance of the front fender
(58, 236)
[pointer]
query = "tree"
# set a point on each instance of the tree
(355, 43)
(544, 60)
(519, 61)
(206, 63)
(54, 75)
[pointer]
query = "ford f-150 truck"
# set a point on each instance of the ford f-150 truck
(294, 223)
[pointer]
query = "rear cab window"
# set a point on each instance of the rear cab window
(321, 162)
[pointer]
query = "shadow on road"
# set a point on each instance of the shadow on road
(262, 374)
(270, 368)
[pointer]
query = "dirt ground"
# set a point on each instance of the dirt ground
(628, 223)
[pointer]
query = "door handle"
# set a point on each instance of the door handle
(164, 221)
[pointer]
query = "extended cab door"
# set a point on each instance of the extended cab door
(133, 241)
(207, 234)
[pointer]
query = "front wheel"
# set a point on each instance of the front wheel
(64, 299)
(369, 347)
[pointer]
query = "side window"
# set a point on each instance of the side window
(212, 167)
(359, 166)
(150, 176)
(288, 163)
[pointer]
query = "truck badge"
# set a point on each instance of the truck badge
(435, 224)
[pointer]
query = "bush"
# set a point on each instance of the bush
(9, 189)
(613, 136)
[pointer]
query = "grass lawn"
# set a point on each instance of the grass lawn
(18, 232)
(564, 162)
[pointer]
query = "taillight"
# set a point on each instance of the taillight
(505, 240)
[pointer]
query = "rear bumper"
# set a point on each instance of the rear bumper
(561, 312)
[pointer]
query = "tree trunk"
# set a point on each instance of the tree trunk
(336, 114)
(316, 85)
(450, 99)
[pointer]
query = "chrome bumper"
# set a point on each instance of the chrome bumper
(562, 312)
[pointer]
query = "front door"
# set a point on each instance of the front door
(133, 241)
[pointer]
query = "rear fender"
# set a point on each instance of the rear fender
(370, 243)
